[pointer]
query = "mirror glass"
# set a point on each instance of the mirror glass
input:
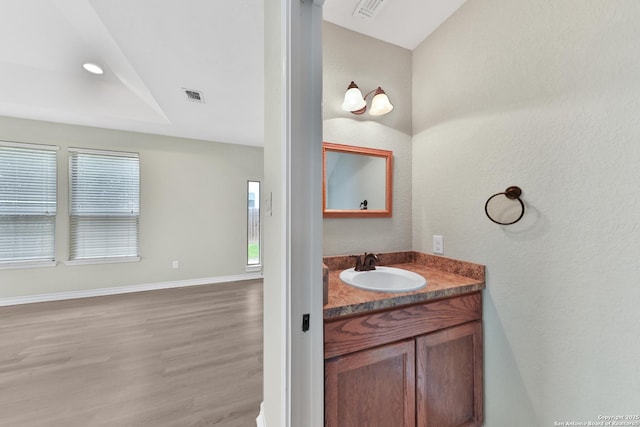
(356, 181)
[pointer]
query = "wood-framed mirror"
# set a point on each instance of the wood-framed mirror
(356, 181)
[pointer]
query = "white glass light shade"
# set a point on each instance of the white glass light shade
(92, 68)
(380, 104)
(353, 99)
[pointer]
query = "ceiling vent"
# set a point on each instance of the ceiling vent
(368, 9)
(194, 96)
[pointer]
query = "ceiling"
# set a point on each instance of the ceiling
(405, 23)
(152, 51)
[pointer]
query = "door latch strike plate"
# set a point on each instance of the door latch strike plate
(305, 322)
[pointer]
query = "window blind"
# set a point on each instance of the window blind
(104, 204)
(27, 202)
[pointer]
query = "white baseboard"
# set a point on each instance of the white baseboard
(88, 293)
(260, 421)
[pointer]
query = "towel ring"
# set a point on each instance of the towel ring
(511, 193)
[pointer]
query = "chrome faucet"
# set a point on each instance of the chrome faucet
(366, 262)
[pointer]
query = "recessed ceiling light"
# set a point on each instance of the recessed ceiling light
(92, 68)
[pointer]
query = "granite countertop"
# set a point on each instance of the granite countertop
(445, 277)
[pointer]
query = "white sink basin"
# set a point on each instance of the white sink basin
(384, 279)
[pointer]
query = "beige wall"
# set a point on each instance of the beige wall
(370, 63)
(193, 209)
(545, 95)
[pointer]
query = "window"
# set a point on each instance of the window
(253, 223)
(104, 201)
(27, 204)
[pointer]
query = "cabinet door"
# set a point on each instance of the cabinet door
(372, 388)
(449, 377)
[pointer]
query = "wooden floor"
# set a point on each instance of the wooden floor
(179, 357)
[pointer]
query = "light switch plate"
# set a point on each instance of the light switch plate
(438, 244)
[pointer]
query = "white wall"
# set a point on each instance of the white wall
(276, 355)
(293, 358)
(370, 63)
(193, 209)
(545, 95)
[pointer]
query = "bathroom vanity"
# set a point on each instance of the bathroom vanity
(405, 359)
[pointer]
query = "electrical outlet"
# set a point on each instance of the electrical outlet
(176, 264)
(438, 244)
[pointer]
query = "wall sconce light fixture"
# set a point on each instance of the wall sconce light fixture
(355, 103)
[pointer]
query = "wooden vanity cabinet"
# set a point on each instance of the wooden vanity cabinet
(372, 387)
(415, 366)
(449, 377)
